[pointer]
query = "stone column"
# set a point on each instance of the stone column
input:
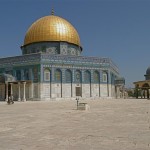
(116, 92)
(147, 93)
(6, 92)
(144, 94)
(19, 99)
(137, 93)
(31, 94)
(73, 82)
(123, 90)
(24, 91)
(11, 89)
(108, 84)
(91, 84)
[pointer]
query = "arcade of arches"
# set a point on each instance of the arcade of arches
(142, 89)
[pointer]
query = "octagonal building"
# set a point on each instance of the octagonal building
(51, 67)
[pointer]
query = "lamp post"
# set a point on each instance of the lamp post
(77, 99)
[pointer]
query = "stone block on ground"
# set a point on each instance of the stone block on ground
(83, 106)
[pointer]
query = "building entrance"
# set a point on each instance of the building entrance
(9, 90)
(78, 91)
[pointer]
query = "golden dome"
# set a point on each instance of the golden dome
(51, 28)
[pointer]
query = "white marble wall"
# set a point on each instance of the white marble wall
(95, 89)
(66, 90)
(47, 91)
(36, 90)
(113, 91)
(104, 90)
(86, 90)
(56, 90)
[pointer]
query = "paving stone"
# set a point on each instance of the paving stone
(122, 124)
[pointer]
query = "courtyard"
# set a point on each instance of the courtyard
(122, 124)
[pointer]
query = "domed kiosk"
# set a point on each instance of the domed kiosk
(143, 87)
(51, 66)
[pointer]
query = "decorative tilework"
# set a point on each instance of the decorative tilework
(18, 74)
(68, 76)
(26, 74)
(96, 76)
(87, 76)
(78, 76)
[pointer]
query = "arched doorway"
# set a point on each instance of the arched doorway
(78, 80)
(68, 81)
(145, 90)
(58, 80)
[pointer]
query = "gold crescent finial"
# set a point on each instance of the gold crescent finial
(52, 12)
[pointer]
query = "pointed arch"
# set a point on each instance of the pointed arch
(96, 76)
(87, 76)
(78, 76)
(96, 80)
(58, 75)
(58, 80)
(18, 74)
(26, 74)
(68, 80)
(105, 76)
(105, 82)
(87, 86)
(68, 76)
(47, 74)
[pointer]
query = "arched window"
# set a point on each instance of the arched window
(58, 76)
(96, 76)
(87, 76)
(78, 77)
(104, 76)
(46, 75)
(68, 76)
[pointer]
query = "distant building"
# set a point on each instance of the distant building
(51, 66)
(142, 88)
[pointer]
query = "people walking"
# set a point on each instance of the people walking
(10, 100)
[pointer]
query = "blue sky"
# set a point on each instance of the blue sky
(118, 29)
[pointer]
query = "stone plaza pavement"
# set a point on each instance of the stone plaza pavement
(122, 124)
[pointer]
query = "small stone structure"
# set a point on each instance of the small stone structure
(83, 106)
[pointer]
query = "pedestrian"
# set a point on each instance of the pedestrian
(12, 99)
